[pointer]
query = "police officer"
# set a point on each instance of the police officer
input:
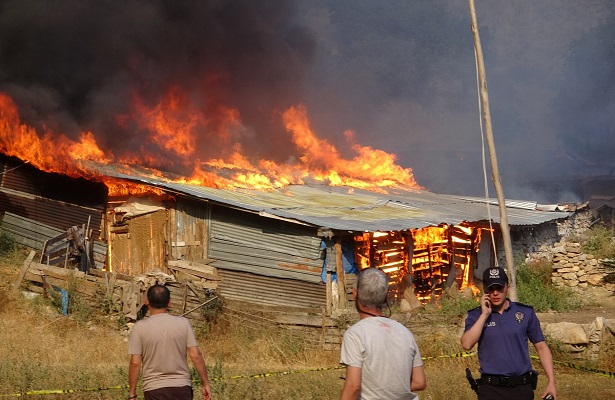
(502, 329)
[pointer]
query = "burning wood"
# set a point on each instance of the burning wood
(431, 259)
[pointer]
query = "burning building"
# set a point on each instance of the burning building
(295, 246)
(181, 172)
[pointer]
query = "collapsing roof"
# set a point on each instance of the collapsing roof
(351, 209)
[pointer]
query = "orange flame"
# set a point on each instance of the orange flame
(125, 188)
(51, 152)
(174, 124)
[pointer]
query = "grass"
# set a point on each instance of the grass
(41, 349)
(599, 242)
(534, 288)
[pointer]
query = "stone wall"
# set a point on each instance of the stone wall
(572, 268)
(536, 242)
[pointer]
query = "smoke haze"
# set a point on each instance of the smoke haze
(400, 75)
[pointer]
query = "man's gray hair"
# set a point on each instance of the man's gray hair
(372, 288)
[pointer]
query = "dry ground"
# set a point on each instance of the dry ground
(601, 304)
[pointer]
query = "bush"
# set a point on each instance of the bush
(535, 289)
(598, 241)
(7, 243)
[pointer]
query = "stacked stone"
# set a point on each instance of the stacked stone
(573, 268)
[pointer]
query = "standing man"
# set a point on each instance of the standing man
(502, 329)
(160, 344)
(381, 356)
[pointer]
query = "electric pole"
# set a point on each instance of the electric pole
(495, 174)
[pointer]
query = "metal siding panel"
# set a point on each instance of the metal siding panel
(271, 291)
(49, 212)
(23, 192)
(247, 242)
(33, 234)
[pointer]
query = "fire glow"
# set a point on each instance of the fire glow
(174, 126)
(433, 258)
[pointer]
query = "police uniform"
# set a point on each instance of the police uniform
(503, 353)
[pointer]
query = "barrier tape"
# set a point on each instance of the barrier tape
(461, 354)
(62, 391)
(582, 368)
(269, 374)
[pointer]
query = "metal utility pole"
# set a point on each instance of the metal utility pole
(495, 174)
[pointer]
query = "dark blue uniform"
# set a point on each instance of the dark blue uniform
(503, 344)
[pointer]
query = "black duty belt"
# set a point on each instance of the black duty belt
(502, 380)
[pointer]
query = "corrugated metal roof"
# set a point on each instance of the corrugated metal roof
(343, 208)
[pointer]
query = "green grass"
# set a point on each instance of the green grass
(7, 243)
(599, 242)
(534, 288)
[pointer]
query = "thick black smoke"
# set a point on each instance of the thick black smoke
(76, 65)
(400, 74)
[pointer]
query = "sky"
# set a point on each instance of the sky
(400, 75)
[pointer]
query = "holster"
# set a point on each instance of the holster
(471, 380)
(534, 381)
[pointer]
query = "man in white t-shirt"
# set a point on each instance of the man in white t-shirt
(160, 343)
(381, 356)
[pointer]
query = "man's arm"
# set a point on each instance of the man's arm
(546, 360)
(197, 359)
(352, 384)
(471, 336)
(418, 381)
(134, 367)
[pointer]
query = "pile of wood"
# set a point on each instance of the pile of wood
(126, 294)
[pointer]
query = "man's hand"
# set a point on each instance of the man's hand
(485, 305)
(206, 392)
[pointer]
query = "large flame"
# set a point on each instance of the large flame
(173, 126)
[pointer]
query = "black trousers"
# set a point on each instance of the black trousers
(492, 392)
(169, 393)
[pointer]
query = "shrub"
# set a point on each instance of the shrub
(598, 241)
(534, 288)
(7, 243)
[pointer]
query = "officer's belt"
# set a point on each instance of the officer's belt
(502, 380)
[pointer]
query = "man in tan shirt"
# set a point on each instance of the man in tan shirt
(160, 344)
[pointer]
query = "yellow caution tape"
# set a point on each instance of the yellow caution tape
(461, 354)
(62, 391)
(582, 368)
(269, 374)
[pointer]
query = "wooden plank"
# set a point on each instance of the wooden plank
(186, 243)
(194, 275)
(51, 248)
(201, 266)
(25, 267)
(339, 269)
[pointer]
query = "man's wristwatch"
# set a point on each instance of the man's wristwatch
(134, 396)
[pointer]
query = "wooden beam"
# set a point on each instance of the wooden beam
(339, 269)
(25, 267)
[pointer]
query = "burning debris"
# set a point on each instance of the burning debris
(427, 260)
